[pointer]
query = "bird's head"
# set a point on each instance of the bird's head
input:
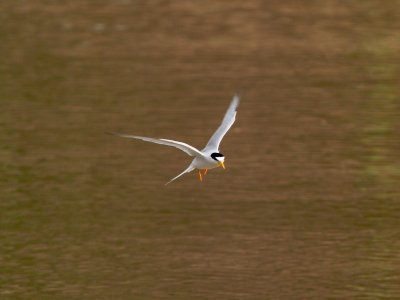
(219, 157)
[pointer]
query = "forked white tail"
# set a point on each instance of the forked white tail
(189, 169)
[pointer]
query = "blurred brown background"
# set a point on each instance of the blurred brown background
(308, 207)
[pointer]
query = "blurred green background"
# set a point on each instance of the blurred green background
(308, 207)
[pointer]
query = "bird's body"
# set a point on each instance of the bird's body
(204, 162)
(209, 157)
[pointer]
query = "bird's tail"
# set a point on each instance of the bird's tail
(189, 169)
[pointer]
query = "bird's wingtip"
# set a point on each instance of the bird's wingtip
(236, 99)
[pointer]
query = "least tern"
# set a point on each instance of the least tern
(208, 158)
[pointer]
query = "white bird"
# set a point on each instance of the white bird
(209, 157)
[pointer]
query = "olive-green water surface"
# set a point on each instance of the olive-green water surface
(309, 205)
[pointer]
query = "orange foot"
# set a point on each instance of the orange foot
(200, 177)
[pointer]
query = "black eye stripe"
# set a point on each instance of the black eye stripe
(215, 155)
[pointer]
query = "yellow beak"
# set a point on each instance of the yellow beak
(222, 164)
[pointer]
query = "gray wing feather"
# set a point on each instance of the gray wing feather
(190, 150)
(227, 122)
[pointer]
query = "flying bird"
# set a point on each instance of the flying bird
(208, 158)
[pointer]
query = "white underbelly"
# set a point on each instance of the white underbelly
(204, 163)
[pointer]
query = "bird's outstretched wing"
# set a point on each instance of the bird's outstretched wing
(189, 169)
(227, 122)
(190, 150)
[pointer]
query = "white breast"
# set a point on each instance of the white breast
(204, 163)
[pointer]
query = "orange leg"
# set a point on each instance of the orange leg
(205, 172)
(200, 177)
